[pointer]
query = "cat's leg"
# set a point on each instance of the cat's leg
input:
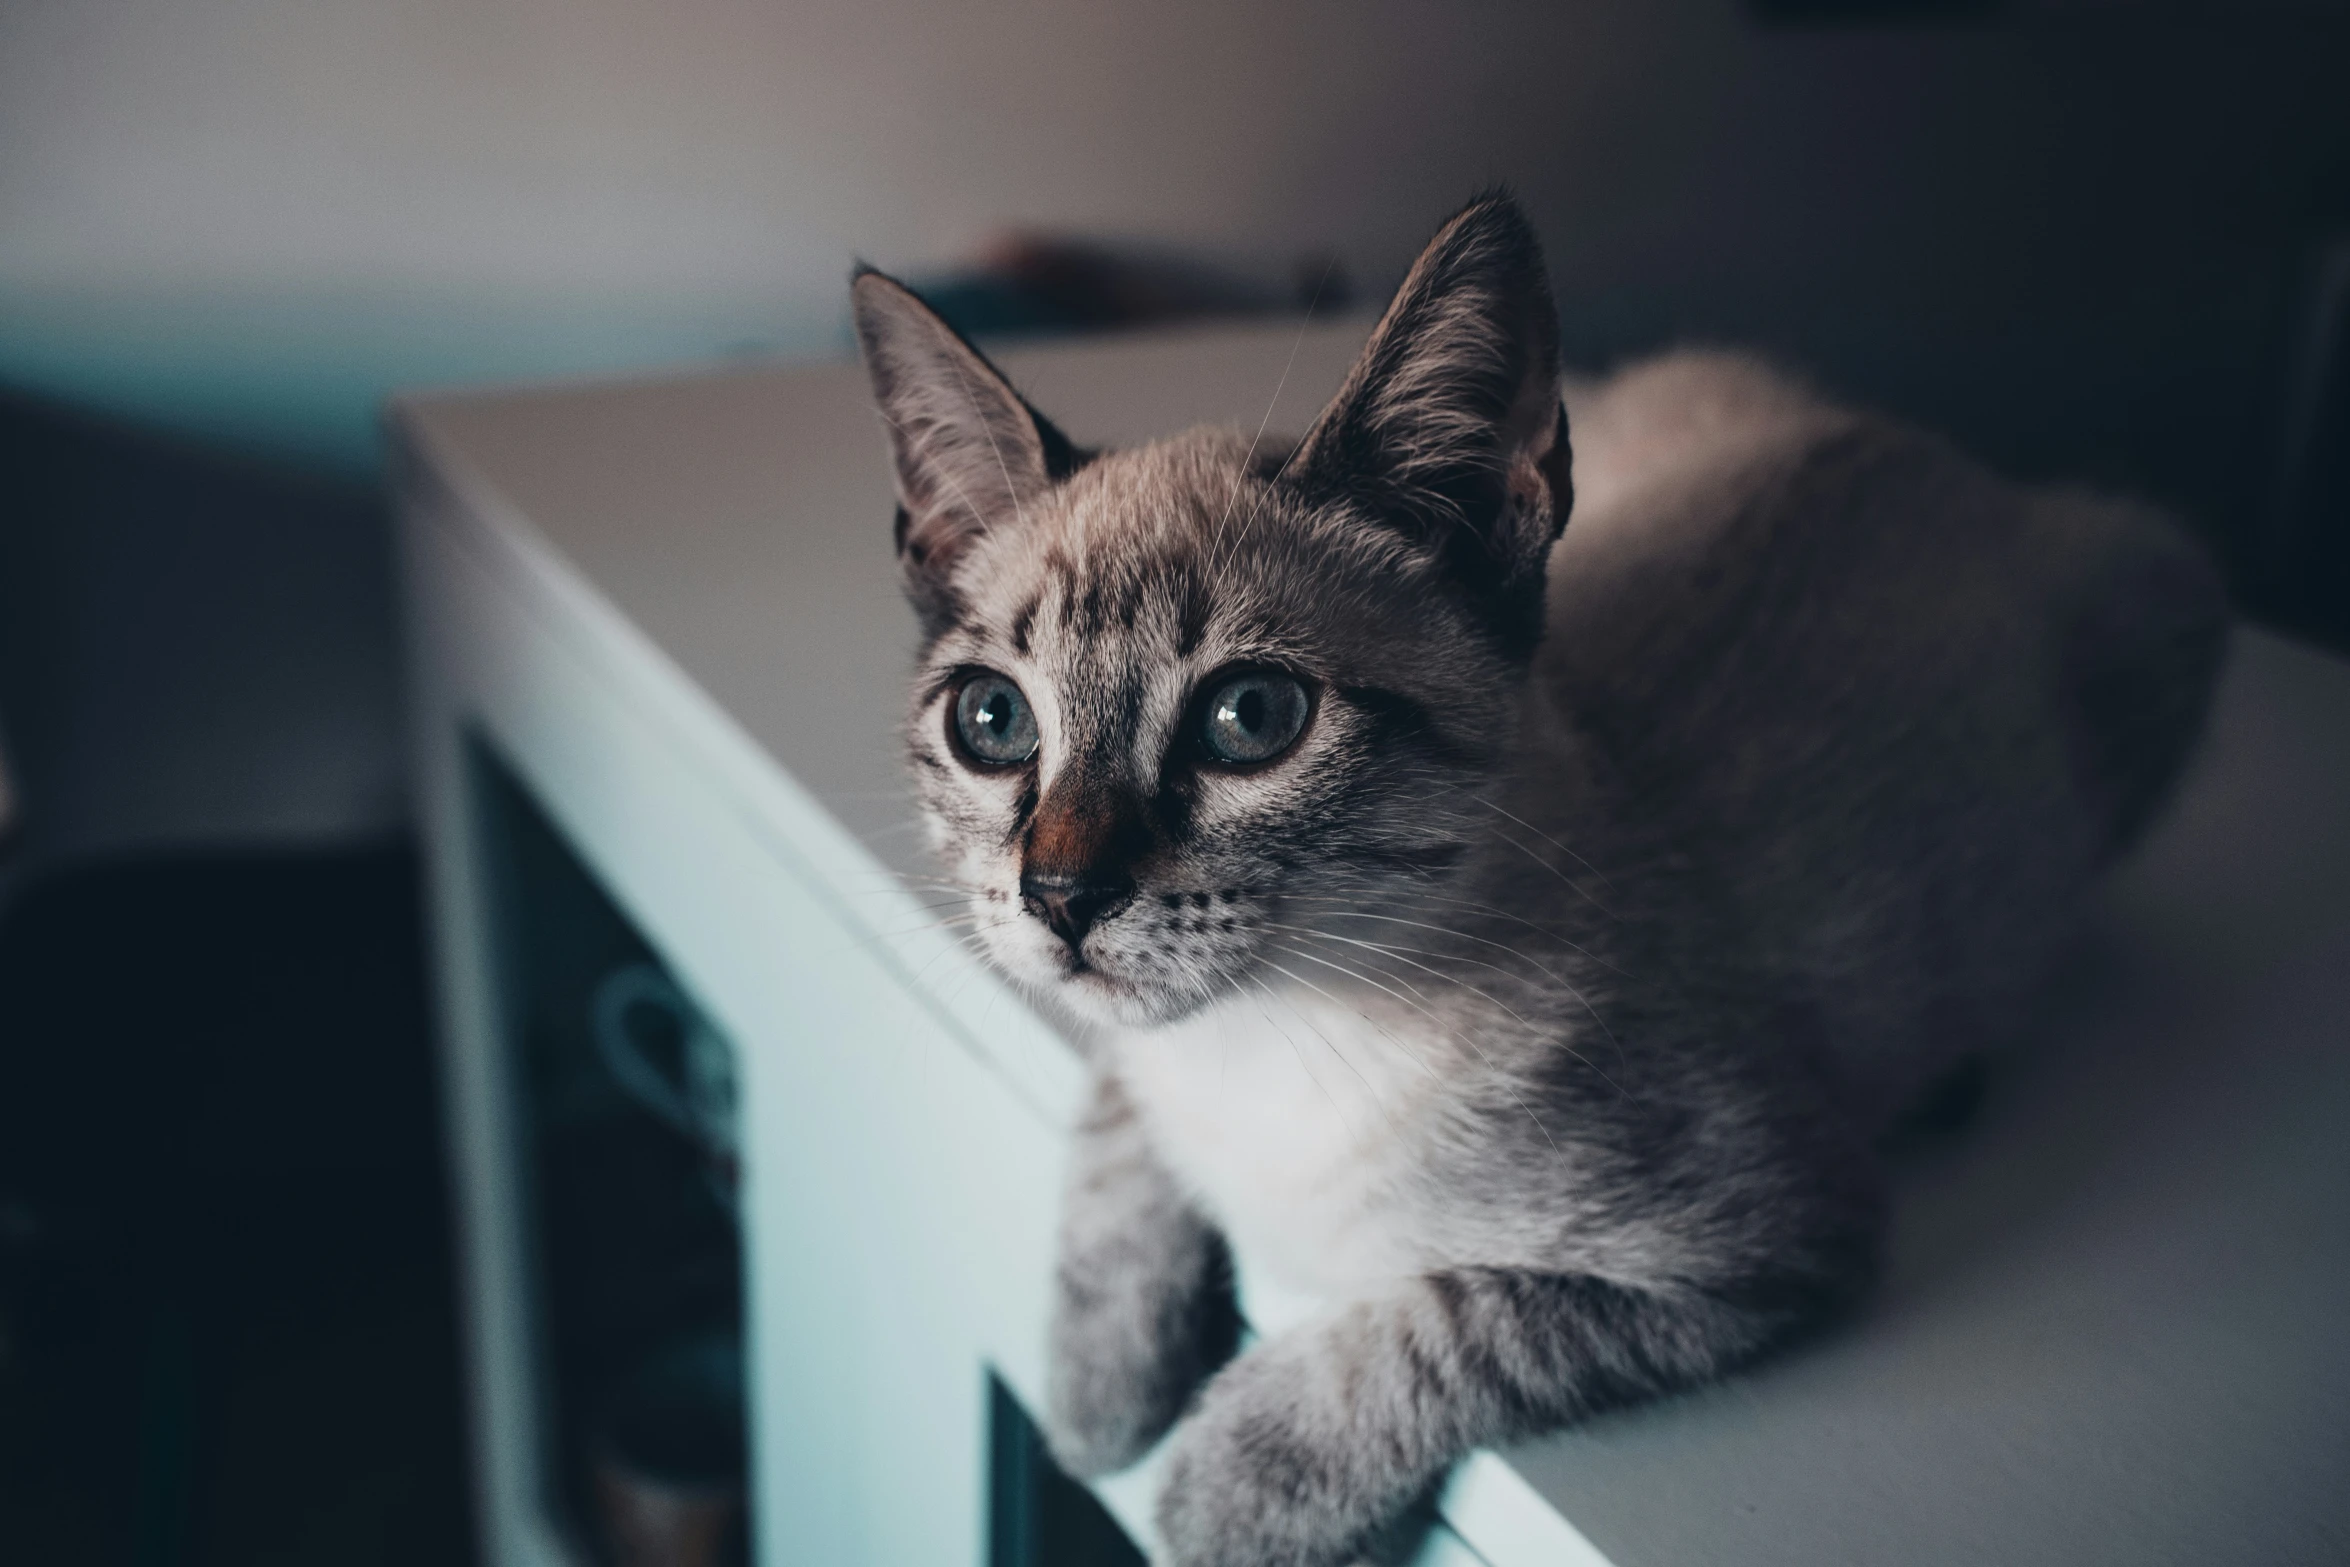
(1143, 1308)
(1303, 1448)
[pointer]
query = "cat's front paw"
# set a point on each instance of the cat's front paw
(1100, 1416)
(1248, 1486)
(1122, 1370)
(1130, 1346)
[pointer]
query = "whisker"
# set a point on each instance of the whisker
(1547, 838)
(1348, 911)
(1475, 990)
(978, 518)
(1011, 491)
(1499, 1075)
(1298, 979)
(1481, 908)
(1293, 1050)
(1579, 889)
(1327, 1042)
(970, 941)
(931, 920)
(1241, 477)
(1543, 969)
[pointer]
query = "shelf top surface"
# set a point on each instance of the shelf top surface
(2113, 1327)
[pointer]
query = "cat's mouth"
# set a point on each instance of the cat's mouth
(1106, 996)
(1146, 965)
(1109, 990)
(1086, 974)
(1129, 999)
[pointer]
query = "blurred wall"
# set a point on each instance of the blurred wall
(209, 205)
(196, 646)
(2071, 231)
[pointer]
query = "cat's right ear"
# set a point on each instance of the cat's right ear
(1449, 428)
(971, 454)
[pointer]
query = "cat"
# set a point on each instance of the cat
(1516, 935)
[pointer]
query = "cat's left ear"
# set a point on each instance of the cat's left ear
(971, 454)
(1450, 427)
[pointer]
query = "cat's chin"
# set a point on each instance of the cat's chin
(1102, 989)
(1096, 997)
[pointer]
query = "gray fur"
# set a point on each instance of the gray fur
(1624, 888)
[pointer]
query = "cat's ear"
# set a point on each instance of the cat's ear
(971, 454)
(1450, 428)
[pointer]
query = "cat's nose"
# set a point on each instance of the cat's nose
(1069, 905)
(1074, 871)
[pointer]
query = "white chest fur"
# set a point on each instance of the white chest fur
(1292, 1120)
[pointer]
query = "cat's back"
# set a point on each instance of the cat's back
(1747, 564)
(1753, 573)
(1880, 693)
(1664, 418)
(1716, 496)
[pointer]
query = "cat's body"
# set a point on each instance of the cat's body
(1538, 997)
(1885, 860)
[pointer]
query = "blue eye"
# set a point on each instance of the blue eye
(1253, 717)
(994, 721)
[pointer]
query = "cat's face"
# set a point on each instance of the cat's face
(1152, 739)
(1177, 702)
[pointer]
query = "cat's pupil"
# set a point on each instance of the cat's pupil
(1250, 711)
(997, 713)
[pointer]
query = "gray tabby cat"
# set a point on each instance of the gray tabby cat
(1518, 941)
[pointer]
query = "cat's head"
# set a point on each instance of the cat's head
(1176, 701)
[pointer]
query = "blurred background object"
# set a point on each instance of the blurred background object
(2093, 238)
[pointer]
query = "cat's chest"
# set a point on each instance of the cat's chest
(1297, 1128)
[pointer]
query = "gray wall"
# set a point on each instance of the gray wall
(2071, 234)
